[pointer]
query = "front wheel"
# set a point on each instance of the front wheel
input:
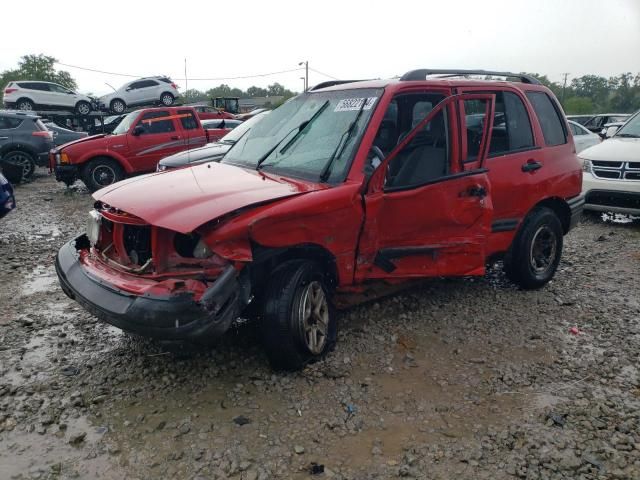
(535, 253)
(101, 172)
(117, 106)
(298, 320)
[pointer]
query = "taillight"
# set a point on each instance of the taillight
(7, 91)
(40, 133)
(174, 86)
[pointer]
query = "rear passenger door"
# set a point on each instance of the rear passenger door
(192, 135)
(158, 137)
(514, 162)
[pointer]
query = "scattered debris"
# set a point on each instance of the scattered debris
(315, 468)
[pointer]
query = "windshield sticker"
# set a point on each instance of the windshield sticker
(349, 104)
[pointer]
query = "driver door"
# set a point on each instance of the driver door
(428, 212)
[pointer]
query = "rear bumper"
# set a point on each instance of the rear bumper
(42, 160)
(174, 317)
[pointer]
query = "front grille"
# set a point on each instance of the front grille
(613, 199)
(616, 170)
(137, 243)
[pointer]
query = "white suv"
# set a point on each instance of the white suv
(29, 95)
(144, 91)
(611, 181)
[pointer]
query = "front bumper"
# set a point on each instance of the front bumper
(610, 195)
(171, 317)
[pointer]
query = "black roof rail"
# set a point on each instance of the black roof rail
(421, 74)
(331, 83)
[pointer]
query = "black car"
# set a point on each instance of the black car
(63, 135)
(7, 200)
(212, 152)
(24, 141)
(108, 125)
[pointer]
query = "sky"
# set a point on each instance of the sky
(346, 39)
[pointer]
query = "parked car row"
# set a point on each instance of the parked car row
(595, 123)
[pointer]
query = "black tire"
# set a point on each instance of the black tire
(292, 288)
(535, 253)
(101, 172)
(167, 99)
(83, 108)
(117, 106)
(25, 105)
(19, 158)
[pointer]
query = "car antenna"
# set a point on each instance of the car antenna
(186, 89)
(110, 86)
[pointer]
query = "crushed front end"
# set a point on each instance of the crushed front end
(149, 280)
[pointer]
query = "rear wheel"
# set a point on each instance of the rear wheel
(101, 172)
(25, 104)
(83, 108)
(298, 320)
(535, 253)
(167, 99)
(21, 160)
(117, 106)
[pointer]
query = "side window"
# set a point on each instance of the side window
(7, 123)
(147, 83)
(576, 130)
(424, 159)
(135, 86)
(553, 128)
(187, 120)
(475, 112)
(156, 122)
(517, 122)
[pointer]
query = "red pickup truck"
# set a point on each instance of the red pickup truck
(137, 144)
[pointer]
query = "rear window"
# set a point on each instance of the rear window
(553, 128)
(156, 122)
(7, 123)
(187, 119)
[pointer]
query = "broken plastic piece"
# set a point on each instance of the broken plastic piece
(574, 331)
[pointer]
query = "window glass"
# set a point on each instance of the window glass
(631, 128)
(212, 123)
(136, 85)
(147, 83)
(618, 118)
(517, 122)
(188, 120)
(153, 122)
(424, 159)
(6, 122)
(552, 126)
(475, 112)
(58, 89)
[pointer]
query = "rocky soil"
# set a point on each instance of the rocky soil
(455, 379)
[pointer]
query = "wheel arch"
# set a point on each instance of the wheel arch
(24, 97)
(126, 166)
(12, 147)
(560, 207)
(268, 259)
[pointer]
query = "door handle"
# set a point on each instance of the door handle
(175, 137)
(474, 191)
(531, 165)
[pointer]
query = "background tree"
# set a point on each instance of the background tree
(38, 67)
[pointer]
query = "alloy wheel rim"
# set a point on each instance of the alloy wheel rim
(104, 175)
(166, 99)
(83, 109)
(23, 161)
(24, 106)
(118, 107)
(313, 315)
(543, 250)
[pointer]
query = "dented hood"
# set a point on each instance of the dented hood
(184, 199)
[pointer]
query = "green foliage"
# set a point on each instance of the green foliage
(38, 67)
(578, 106)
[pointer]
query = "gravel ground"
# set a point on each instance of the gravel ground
(464, 379)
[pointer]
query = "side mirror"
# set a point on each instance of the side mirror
(611, 131)
(137, 130)
(374, 159)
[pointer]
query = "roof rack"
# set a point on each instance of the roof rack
(421, 74)
(331, 83)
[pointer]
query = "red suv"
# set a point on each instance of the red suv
(136, 145)
(343, 188)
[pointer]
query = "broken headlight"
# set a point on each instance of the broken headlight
(201, 250)
(93, 227)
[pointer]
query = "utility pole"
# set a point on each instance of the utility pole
(304, 83)
(306, 74)
(564, 86)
